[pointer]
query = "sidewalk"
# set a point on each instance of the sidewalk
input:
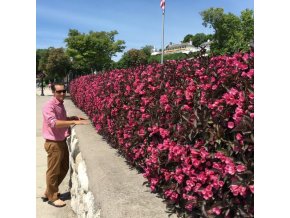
(43, 209)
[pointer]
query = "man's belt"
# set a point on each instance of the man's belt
(48, 140)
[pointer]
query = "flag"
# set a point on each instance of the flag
(162, 5)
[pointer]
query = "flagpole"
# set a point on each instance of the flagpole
(163, 14)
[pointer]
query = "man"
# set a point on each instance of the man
(55, 130)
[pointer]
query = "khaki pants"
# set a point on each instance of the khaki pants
(57, 166)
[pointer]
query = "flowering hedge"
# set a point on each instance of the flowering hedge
(188, 125)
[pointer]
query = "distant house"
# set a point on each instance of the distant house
(155, 52)
(185, 48)
(206, 45)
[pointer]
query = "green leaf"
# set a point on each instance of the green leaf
(195, 123)
(185, 118)
(252, 137)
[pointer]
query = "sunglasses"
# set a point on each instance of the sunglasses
(61, 91)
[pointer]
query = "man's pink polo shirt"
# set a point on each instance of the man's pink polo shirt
(54, 110)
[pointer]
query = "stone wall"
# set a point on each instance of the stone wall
(82, 199)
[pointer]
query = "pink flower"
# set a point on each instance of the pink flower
(142, 109)
(231, 125)
(207, 192)
(242, 191)
(251, 95)
(126, 136)
(203, 153)
(163, 132)
(167, 108)
(189, 197)
(188, 94)
(145, 116)
(186, 107)
(214, 87)
(217, 166)
(167, 176)
(152, 88)
(179, 178)
(189, 206)
(153, 183)
(252, 115)
(234, 189)
(216, 210)
(251, 187)
(128, 88)
(244, 74)
(241, 168)
(145, 101)
(250, 73)
(220, 108)
(246, 57)
(163, 99)
(178, 92)
(230, 169)
(194, 152)
(190, 183)
(221, 183)
(168, 193)
(238, 189)
(196, 187)
(239, 136)
(198, 144)
(202, 177)
(196, 162)
(141, 132)
(233, 91)
(173, 196)
(163, 146)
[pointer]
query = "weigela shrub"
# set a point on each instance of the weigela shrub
(188, 125)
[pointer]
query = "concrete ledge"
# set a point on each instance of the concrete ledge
(103, 185)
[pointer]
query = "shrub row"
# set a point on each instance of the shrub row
(188, 125)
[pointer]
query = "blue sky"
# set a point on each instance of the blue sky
(138, 22)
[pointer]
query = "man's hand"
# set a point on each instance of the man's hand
(82, 122)
(77, 118)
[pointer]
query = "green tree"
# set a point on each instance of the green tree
(58, 64)
(247, 18)
(187, 38)
(39, 54)
(133, 58)
(231, 33)
(93, 51)
(147, 49)
(41, 59)
(196, 39)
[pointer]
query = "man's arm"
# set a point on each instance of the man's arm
(49, 116)
(67, 123)
(75, 118)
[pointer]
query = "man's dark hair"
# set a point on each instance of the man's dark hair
(55, 84)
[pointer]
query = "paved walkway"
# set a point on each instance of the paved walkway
(44, 210)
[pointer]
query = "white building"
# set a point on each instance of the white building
(185, 48)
